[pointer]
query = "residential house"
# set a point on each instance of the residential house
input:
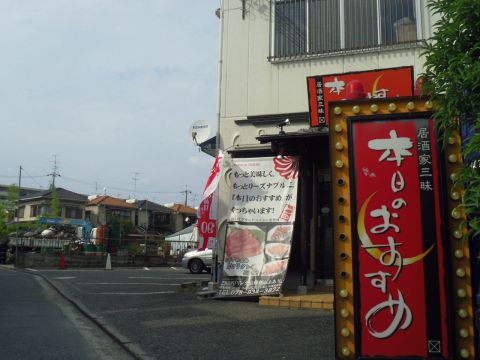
(101, 210)
(182, 216)
(153, 217)
(38, 204)
(9, 208)
(268, 48)
(24, 191)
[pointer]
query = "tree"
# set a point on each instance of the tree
(452, 79)
(55, 208)
(13, 194)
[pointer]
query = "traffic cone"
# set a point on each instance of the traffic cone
(108, 265)
(61, 264)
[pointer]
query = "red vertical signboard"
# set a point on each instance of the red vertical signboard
(400, 273)
(383, 83)
(207, 211)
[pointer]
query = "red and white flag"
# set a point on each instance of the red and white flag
(207, 211)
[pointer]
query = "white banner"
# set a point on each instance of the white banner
(262, 213)
(264, 189)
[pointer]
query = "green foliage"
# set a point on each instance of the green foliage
(452, 79)
(55, 209)
(10, 203)
(134, 249)
(13, 193)
(119, 228)
(3, 225)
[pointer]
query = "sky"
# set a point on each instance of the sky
(108, 88)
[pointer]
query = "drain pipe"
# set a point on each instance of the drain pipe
(220, 14)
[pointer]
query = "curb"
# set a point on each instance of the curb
(110, 331)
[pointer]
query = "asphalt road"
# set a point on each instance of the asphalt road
(145, 310)
(37, 323)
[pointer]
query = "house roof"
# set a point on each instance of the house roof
(187, 230)
(182, 209)
(111, 201)
(24, 191)
(63, 195)
(151, 206)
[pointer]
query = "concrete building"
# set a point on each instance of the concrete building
(268, 48)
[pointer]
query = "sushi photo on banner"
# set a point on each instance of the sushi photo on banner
(207, 210)
(261, 217)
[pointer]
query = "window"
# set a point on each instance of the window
(73, 213)
(309, 27)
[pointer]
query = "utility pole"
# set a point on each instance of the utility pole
(17, 213)
(186, 191)
(146, 231)
(55, 173)
(135, 178)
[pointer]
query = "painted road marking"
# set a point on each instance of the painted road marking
(146, 268)
(167, 278)
(142, 293)
(31, 269)
(65, 277)
(113, 283)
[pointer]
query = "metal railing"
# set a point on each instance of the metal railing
(306, 28)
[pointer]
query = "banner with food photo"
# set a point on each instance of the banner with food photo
(259, 234)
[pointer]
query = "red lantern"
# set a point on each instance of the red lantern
(355, 90)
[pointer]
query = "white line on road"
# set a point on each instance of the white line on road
(113, 283)
(145, 268)
(31, 269)
(167, 278)
(171, 267)
(65, 277)
(142, 293)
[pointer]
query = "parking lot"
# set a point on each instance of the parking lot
(144, 308)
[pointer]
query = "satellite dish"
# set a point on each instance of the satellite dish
(199, 131)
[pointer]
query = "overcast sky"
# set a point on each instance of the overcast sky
(111, 87)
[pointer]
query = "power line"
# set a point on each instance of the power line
(135, 178)
(100, 185)
(55, 173)
(35, 181)
(186, 192)
(16, 176)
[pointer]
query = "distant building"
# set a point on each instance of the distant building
(38, 204)
(25, 191)
(182, 216)
(153, 217)
(100, 210)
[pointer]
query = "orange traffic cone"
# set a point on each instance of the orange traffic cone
(61, 264)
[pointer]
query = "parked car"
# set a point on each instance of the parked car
(198, 260)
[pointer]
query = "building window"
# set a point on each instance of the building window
(313, 27)
(38, 210)
(73, 213)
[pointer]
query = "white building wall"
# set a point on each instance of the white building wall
(252, 85)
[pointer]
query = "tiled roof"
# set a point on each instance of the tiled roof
(111, 201)
(151, 206)
(63, 195)
(182, 209)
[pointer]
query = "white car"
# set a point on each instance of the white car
(198, 260)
